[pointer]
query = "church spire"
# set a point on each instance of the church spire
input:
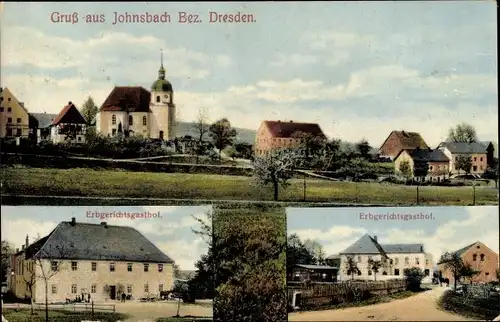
(161, 72)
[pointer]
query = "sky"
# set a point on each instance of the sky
(172, 233)
(450, 228)
(359, 69)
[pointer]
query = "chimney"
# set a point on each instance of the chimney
(422, 248)
(69, 103)
(27, 241)
(105, 224)
(22, 247)
(73, 221)
(375, 238)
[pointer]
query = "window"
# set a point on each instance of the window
(112, 267)
(19, 132)
(407, 261)
(94, 266)
(53, 266)
(486, 273)
(146, 288)
(9, 120)
(474, 168)
(474, 257)
(481, 159)
(113, 132)
(73, 288)
(359, 259)
(475, 158)
(9, 109)
(396, 272)
(130, 120)
(93, 288)
(359, 272)
(1, 109)
(427, 272)
(129, 289)
(129, 267)
(18, 120)
(482, 257)
(113, 119)
(426, 262)
(369, 272)
(160, 288)
(431, 167)
(144, 120)
(396, 261)
(74, 266)
(54, 289)
(157, 99)
(160, 267)
(417, 261)
(9, 99)
(79, 139)
(146, 267)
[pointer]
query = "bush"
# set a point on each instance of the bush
(477, 308)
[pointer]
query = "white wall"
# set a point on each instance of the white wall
(60, 138)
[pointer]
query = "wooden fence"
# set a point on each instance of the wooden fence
(77, 307)
(344, 292)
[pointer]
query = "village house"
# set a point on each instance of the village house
(394, 259)
(273, 135)
(40, 124)
(136, 111)
(99, 261)
(435, 162)
(481, 154)
(68, 126)
(313, 273)
(480, 257)
(401, 140)
(14, 118)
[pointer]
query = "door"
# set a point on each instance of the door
(112, 291)
(161, 135)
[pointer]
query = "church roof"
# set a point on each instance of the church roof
(69, 114)
(281, 129)
(161, 85)
(127, 99)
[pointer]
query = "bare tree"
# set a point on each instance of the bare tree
(30, 278)
(375, 267)
(352, 267)
(201, 127)
(50, 262)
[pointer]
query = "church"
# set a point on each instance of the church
(133, 110)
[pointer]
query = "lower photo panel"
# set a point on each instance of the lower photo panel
(393, 264)
(249, 247)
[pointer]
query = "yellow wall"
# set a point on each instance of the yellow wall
(404, 156)
(105, 125)
(8, 100)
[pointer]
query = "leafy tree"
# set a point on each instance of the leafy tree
(454, 263)
(297, 253)
(468, 271)
(420, 168)
(222, 134)
(89, 110)
(374, 267)
(464, 162)
(413, 278)
(363, 148)
(201, 128)
(7, 252)
(316, 250)
(243, 150)
(405, 168)
(498, 273)
(332, 155)
(462, 133)
(311, 147)
(351, 267)
(275, 168)
(250, 263)
(177, 271)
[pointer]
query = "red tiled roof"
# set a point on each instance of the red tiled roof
(408, 140)
(127, 99)
(69, 114)
(281, 129)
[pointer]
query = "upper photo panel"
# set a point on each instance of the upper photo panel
(340, 103)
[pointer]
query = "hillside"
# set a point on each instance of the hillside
(244, 135)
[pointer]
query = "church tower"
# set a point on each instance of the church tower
(163, 121)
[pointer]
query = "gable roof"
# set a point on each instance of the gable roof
(69, 114)
(279, 129)
(425, 155)
(42, 120)
(84, 241)
(466, 148)
(403, 248)
(408, 140)
(365, 245)
(127, 99)
(5, 89)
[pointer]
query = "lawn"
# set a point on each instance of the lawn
(128, 184)
(24, 315)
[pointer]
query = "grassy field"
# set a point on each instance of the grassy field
(125, 184)
(24, 315)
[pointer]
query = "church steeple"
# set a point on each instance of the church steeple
(161, 71)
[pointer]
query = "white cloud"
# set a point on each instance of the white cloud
(450, 236)
(294, 60)
(185, 253)
(15, 231)
(330, 40)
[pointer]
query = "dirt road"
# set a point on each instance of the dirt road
(149, 312)
(420, 307)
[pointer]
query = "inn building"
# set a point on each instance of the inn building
(96, 261)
